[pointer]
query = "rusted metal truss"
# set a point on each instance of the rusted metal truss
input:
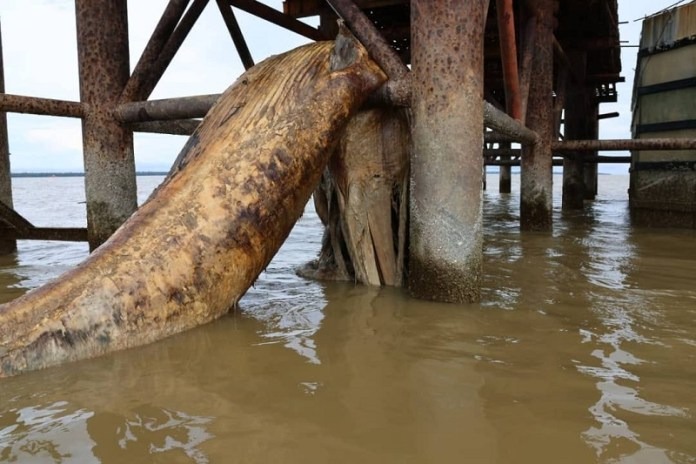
(235, 33)
(154, 48)
(42, 106)
(503, 124)
(17, 227)
(278, 18)
(165, 41)
(625, 144)
(166, 109)
(174, 127)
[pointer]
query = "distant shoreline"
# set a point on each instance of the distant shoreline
(78, 174)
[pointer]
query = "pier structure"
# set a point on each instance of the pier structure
(494, 82)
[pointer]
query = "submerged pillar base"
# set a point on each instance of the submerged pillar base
(591, 177)
(573, 184)
(505, 173)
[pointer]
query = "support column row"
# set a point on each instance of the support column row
(102, 45)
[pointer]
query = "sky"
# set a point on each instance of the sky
(45, 65)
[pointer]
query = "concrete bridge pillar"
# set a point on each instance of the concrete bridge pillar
(537, 180)
(446, 165)
(7, 246)
(102, 46)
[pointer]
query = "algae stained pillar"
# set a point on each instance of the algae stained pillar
(445, 249)
(102, 44)
(580, 124)
(537, 179)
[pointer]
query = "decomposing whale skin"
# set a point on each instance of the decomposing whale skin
(194, 248)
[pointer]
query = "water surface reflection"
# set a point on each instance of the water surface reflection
(583, 351)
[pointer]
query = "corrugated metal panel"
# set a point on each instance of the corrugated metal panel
(664, 29)
(668, 106)
(672, 65)
(665, 155)
(678, 63)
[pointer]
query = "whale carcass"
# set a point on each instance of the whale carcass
(194, 248)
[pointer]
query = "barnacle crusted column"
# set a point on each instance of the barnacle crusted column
(446, 174)
(580, 124)
(537, 180)
(102, 45)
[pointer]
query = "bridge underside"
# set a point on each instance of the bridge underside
(498, 82)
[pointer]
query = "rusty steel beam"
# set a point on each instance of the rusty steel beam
(278, 18)
(174, 127)
(559, 162)
(235, 33)
(528, 44)
(579, 124)
(373, 40)
(591, 43)
(511, 77)
(56, 233)
(508, 51)
(605, 78)
(153, 72)
(314, 7)
(41, 106)
(503, 124)
(496, 137)
(514, 162)
(7, 245)
(536, 179)
(445, 250)
(517, 153)
(502, 151)
(502, 163)
(14, 219)
(607, 159)
(625, 144)
(63, 234)
(166, 109)
(562, 56)
(163, 31)
(102, 50)
(392, 93)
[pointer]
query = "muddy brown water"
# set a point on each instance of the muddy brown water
(584, 350)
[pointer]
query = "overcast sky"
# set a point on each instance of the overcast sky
(40, 57)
